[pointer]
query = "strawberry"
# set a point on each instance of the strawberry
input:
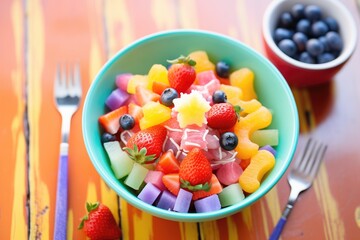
(100, 224)
(168, 163)
(223, 116)
(110, 121)
(195, 171)
(146, 145)
(181, 74)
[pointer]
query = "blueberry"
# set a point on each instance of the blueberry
(288, 47)
(228, 141)
(325, 57)
(286, 20)
(324, 41)
(127, 122)
(107, 137)
(332, 24)
(319, 28)
(313, 13)
(300, 40)
(305, 57)
(298, 11)
(222, 69)
(219, 97)
(334, 40)
(282, 33)
(167, 97)
(304, 26)
(314, 47)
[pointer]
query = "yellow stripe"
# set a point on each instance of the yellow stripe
(209, 230)
(109, 199)
(143, 226)
(241, 12)
(334, 227)
(299, 104)
(357, 216)
(188, 230)
(18, 221)
(163, 12)
(265, 227)
(247, 218)
(39, 194)
(273, 205)
(124, 219)
(188, 14)
(232, 228)
(70, 224)
(118, 24)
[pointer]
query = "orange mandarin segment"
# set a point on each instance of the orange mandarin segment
(244, 79)
(256, 120)
(262, 162)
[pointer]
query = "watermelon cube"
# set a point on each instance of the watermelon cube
(155, 178)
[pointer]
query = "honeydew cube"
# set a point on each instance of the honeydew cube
(167, 200)
(183, 201)
(231, 194)
(208, 204)
(121, 163)
(149, 193)
(264, 137)
(155, 177)
(136, 176)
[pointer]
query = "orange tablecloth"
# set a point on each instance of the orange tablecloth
(37, 35)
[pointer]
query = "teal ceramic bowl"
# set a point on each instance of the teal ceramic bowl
(272, 90)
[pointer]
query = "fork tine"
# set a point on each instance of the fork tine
(77, 80)
(317, 161)
(302, 160)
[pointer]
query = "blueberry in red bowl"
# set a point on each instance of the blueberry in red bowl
(308, 41)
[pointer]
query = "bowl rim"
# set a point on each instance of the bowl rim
(344, 56)
(176, 216)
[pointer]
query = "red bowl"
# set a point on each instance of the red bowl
(299, 74)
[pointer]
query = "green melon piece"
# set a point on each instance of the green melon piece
(136, 176)
(265, 137)
(231, 194)
(121, 163)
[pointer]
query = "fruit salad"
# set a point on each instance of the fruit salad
(189, 137)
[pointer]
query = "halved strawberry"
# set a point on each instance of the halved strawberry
(145, 146)
(110, 120)
(172, 183)
(215, 188)
(144, 95)
(168, 163)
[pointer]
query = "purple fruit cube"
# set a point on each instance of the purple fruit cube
(166, 201)
(155, 177)
(208, 204)
(149, 193)
(183, 200)
(116, 99)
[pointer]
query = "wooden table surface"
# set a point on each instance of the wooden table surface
(37, 35)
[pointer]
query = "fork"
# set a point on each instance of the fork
(67, 91)
(301, 178)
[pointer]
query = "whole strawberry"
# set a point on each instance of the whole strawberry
(181, 74)
(195, 171)
(100, 224)
(222, 116)
(146, 145)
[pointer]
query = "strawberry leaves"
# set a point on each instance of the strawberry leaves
(139, 156)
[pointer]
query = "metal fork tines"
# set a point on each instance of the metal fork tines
(67, 91)
(301, 178)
